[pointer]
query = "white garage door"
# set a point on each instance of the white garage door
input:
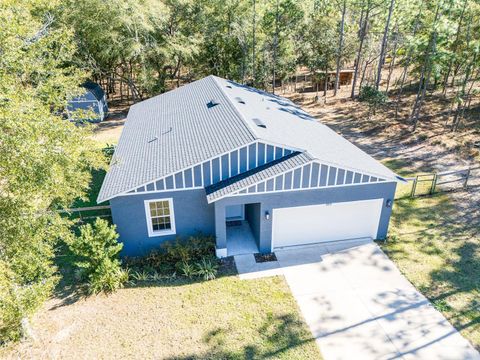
(319, 223)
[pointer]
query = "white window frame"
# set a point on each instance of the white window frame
(151, 232)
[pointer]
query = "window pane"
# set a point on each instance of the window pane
(160, 215)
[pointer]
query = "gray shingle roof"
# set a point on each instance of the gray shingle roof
(205, 119)
(251, 177)
(173, 131)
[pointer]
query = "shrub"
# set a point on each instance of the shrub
(19, 300)
(207, 268)
(172, 255)
(140, 276)
(187, 269)
(373, 97)
(97, 250)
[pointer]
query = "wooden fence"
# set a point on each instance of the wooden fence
(84, 214)
(428, 184)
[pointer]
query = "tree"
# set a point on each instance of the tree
(97, 251)
(340, 47)
(381, 59)
(45, 161)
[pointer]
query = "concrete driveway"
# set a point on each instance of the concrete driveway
(359, 306)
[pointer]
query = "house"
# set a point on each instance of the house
(93, 101)
(214, 153)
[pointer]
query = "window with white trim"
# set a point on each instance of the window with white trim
(160, 217)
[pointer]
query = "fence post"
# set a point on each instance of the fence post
(434, 184)
(466, 178)
(414, 187)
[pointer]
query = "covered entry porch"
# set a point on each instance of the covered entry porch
(242, 228)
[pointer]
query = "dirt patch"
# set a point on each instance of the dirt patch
(108, 131)
(432, 148)
(226, 318)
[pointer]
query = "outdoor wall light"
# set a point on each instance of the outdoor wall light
(389, 203)
(267, 215)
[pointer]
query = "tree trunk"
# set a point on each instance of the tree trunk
(407, 63)
(340, 48)
(454, 50)
(424, 78)
(275, 44)
(253, 42)
(392, 63)
(461, 103)
(384, 45)
(359, 52)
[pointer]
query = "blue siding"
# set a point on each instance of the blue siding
(225, 167)
(278, 153)
(270, 153)
(279, 183)
(271, 201)
(261, 154)
(270, 185)
(192, 215)
(197, 172)
(349, 177)
(234, 162)
(261, 187)
(169, 183)
(243, 160)
(288, 180)
(340, 176)
(331, 175)
(323, 175)
(358, 178)
(215, 170)
(179, 180)
(221, 168)
(188, 178)
(160, 185)
(252, 156)
(297, 175)
(306, 176)
(315, 173)
(206, 174)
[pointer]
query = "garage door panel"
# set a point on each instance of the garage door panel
(327, 222)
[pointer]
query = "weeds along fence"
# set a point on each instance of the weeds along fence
(88, 214)
(431, 183)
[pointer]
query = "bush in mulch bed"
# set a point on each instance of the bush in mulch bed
(260, 258)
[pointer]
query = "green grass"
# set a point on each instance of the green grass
(439, 252)
(97, 178)
(226, 318)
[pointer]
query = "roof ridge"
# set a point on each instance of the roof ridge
(237, 111)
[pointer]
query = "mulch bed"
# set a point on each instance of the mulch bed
(260, 258)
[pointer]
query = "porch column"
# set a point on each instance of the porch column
(220, 231)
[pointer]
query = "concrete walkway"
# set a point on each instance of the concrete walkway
(359, 306)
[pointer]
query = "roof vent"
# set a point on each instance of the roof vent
(212, 103)
(259, 123)
(240, 100)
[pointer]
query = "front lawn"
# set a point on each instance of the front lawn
(438, 250)
(226, 318)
